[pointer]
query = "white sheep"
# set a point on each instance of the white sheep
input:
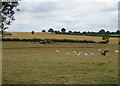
(57, 51)
(116, 51)
(88, 53)
(76, 53)
(68, 53)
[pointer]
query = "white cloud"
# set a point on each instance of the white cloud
(80, 16)
(70, 0)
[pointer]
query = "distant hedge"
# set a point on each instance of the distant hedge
(103, 42)
(72, 41)
(24, 40)
(53, 40)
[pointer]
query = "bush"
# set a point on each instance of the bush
(49, 40)
(72, 41)
(104, 42)
(8, 39)
(7, 34)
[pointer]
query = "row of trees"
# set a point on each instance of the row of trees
(63, 31)
(105, 35)
(52, 30)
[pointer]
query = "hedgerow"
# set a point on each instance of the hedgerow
(52, 40)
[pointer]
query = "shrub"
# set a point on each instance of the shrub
(104, 42)
(50, 40)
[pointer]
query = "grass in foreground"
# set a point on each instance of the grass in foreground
(34, 63)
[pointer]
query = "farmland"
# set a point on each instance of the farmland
(28, 35)
(34, 63)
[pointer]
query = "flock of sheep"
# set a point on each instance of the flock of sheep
(76, 53)
(103, 52)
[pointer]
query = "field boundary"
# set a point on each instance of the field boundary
(52, 40)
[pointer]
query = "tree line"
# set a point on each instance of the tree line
(63, 31)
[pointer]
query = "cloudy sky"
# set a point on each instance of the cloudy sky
(72, 15)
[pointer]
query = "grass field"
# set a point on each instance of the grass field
(28, 35)
(34, 63)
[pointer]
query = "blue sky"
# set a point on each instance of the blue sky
(74, 15)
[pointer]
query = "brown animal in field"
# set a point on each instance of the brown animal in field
(103, 52)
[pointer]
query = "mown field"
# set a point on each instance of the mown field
(28, 35)
(34, 63)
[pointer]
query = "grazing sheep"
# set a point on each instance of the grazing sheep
(86, 54)
(76, 53)
(116, 51)
(91, 53)
(68, 53)
(99, 50)
(57, 51)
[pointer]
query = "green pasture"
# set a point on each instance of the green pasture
(34, 63)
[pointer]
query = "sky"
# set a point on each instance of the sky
(74, 15)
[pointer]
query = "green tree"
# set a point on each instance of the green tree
(43, 31)
(63, 30)
(102, 31)
(7, 11)
(50, 30)
(57, 31)
(70, 32)
(107, 32)
(32, 32)
(106, 37)
(118, 32)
